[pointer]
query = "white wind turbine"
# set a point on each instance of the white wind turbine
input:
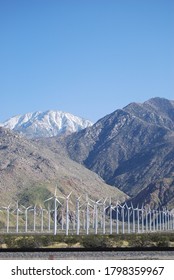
(157, 220)
(34, 217)
(48, 210)
(146, 218)
(154, 217)
(128, 217)
(55, 198)
(173, 220)
(26, 217)
(78, 215)
(160, 220)
(96, 204)
(49, 218)
(142, 218)
(8, 216)
(117, 218)
(168, 219)
(122, 215)
(67, 213)
(150, 219)
(133, 218)
(87, 214)
(67, 209)
(111, 209)
(42, 210)
(104, 216)
(138, 219)
(18, 211)
(110, 214)
(62, 218)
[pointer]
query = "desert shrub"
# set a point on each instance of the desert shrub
(26, 242)
(29, 241)
(1, 239)
(140, 241)
(163, 242)
(94, 241)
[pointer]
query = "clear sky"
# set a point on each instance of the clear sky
(86, 57)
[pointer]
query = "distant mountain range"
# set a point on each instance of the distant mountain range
(46, 124)
(131, 149)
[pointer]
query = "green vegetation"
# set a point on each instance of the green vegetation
(34, 195)
(87, 241)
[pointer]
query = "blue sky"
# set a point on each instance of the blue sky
(86, 57)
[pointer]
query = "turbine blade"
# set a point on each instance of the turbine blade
(49, 199)
(69, 194)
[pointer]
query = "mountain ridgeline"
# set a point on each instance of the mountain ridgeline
(46, 124)
(129, 148)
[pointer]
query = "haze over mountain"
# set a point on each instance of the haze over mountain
(46, 124)
(129, 148)
(25, 164)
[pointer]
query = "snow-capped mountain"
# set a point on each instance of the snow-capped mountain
(46, 124)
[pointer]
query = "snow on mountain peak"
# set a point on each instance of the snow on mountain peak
(46, 124)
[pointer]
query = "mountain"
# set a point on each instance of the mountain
(129, 148)
(46, 124)
(159, 193)
(26, 166)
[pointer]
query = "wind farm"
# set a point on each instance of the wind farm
(69, 215)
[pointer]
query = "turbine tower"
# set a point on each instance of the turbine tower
(55, 198)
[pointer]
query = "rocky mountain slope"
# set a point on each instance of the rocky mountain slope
(129, 148)
(159, 193)
(46, 124)
(27, 165)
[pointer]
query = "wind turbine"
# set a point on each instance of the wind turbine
(55, 198)
(122, 215)
(164, 219)
(160, 220)
(49, 218)
(154, 217)
(42, 217)
(78, 215)
(87, 214)
(138, 219)
(104, 216)
(34, 218)
(17, 216)
(133, 217)
(128, 217)
(111, 209)
(26, 217)
(157, 219)
(142, 218)
(96, 204)
(146, 218)
(67, 209)
(110, 214)
(168, 220)
(117, 219)
(67, 213)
